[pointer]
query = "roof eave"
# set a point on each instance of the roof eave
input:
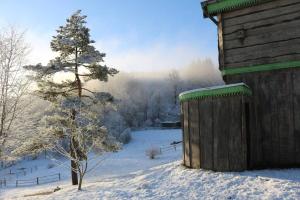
(239, 89)
(214, 7)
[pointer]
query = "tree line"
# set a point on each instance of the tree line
(82, 112)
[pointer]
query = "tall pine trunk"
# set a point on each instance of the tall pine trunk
(73, 172)
(73, 163)
(80, 182)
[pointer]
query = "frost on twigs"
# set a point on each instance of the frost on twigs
(84, 133)
(13, 84)
(103, 97)
(152, 152)
(125, 136)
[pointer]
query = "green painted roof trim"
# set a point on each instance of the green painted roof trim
(260, 68)
(217, 91)
(214, 7)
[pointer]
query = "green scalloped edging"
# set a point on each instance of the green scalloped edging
(219, 6)
(260, 68)
(218, 91)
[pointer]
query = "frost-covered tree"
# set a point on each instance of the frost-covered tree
(153, 97)
(25, 128)
(13, 84)
(174, 80)
(78, 58)
(110, 116)
(156, 105)
(85, 133)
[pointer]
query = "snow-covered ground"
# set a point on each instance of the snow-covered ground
(129, 174)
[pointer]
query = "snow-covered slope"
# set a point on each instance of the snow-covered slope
(129, 174)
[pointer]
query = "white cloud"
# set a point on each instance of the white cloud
(157, 57)
(40, 48)
(39, 44)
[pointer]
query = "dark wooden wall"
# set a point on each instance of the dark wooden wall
(274, 117)
(266, 33)
(263, 34)
(214, 134)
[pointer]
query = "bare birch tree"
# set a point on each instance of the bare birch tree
(13, 83)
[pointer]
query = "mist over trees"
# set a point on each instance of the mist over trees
(140, 99)
(146, 100)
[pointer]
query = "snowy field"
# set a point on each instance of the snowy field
(129, 174)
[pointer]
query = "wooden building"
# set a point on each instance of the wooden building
(259, 45)
(215, 131)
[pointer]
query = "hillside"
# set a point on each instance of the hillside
(129, 174)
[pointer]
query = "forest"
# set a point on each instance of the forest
(76, 104)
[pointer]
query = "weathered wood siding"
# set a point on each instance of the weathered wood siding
(206, 133)
(255, 35)
(274, 117)
(194, 133)
(214, 134)
(186, 138)
(264, 34)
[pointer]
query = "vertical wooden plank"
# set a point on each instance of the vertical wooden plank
(274, 140)
(220, 43)
(280, 127)
(186, 134)
(296, 105)
(255, 131)
(194, 133)
(285, 119)
(265, 113)
(221, 119)
(206, 134)
(182, 130)
(235, 152)
(245, 133)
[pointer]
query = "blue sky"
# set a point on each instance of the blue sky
(137, 35)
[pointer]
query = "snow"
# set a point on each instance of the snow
(129, 174)
(212, 88)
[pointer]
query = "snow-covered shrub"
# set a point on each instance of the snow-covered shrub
(157, 122)
(125, 136)
(114, 123)
(50, 165)
(56, 189)
(152, 152)
(111, 118)
(147, 123)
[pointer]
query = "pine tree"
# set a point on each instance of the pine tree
(76, 55)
